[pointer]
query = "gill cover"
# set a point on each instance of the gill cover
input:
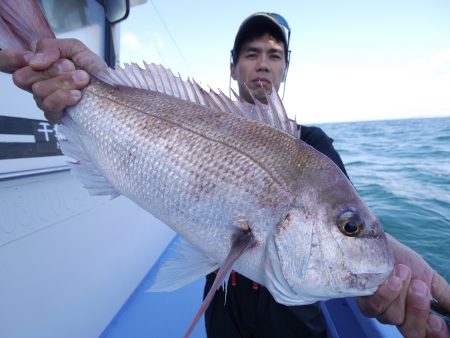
(288, 253)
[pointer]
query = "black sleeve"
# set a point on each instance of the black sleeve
(317, 138)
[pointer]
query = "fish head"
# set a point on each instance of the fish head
(329, 244)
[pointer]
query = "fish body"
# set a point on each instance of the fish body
(203, 172)
(209, 167)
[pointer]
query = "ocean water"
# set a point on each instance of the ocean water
(401, 168)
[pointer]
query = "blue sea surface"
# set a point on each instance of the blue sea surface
(401, 168)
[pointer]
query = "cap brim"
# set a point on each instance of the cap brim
(258, 20)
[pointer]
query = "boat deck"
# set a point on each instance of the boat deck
(168, 314)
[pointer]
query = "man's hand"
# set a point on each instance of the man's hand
(11, 60)
(404, 299)
(51, 72)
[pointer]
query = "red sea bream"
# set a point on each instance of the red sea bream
(215, 170)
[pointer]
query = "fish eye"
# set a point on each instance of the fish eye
(350, 227)
(350, 223)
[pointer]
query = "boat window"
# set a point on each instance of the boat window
(69, 15)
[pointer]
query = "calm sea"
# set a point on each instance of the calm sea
(401, 169)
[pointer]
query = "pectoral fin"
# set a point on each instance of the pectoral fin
(185, 263)
(242, 241)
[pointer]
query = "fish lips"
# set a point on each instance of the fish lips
(368, 281)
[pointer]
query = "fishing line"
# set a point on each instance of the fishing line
(172, 38)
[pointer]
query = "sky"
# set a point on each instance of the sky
(351, 60)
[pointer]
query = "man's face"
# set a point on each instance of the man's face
(260, 68)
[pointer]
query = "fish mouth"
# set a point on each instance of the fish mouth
(368, 280)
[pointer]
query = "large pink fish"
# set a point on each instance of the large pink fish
(232, 179)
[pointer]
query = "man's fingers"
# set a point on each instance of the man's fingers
(395, 312)
(440, 290)
(54, 104)
(26, 76)
(54, 117)
(47, 52)
(60, 67)
(375, 305)
(55, 73)
(387, 294)
(436, 328)
(12, 59)
(67, 81)
(50, 50)
(418, 306)
(82, 56)
(52, 74)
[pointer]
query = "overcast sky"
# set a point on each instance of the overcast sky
(351, 60)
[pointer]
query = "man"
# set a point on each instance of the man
(260, 61)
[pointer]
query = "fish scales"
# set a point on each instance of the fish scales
(275, 151)
(198, 165)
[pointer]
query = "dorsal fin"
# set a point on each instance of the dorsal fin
(160, 79)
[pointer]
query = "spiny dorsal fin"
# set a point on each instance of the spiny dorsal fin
(160, 79)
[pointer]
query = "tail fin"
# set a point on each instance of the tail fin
(22, 24)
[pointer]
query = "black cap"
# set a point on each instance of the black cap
(272, 22)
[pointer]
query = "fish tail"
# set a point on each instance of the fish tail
(22, 24)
